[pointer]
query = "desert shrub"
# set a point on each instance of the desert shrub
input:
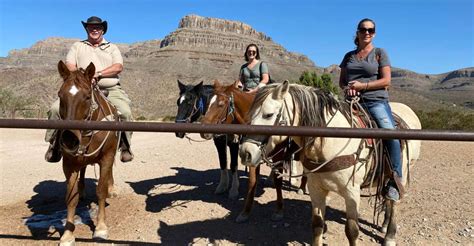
(139, 118)
(11, 102)
(169, 118)
(443, 119)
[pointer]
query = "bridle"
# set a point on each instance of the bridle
(281, 120)
(198, 107)
(229, 109)
(81, 151)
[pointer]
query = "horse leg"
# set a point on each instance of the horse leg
(387, 215)
(101, 231)
(391, 230)
(278, 182)
(112, 191)
(303, 189)
(72, 199)
(234, 153)
(352, 199)
(82, 184)
(318, 201)
(221, 144)
(252, 184)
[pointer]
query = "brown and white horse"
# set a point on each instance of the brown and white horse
(80, 100)
(230, 105)
(298, 105)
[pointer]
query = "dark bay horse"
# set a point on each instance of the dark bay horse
(230, 105)
(80, 100)
(192, 104)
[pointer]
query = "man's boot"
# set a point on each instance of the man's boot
(53, 154)
(126, 154)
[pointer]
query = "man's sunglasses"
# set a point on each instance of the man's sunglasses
(365, 30)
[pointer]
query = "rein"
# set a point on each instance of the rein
(82, 149)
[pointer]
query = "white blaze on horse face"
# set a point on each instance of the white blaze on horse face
(73, 91)
(213, 100)
(181, 99)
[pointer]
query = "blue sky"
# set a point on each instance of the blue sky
(425, 36)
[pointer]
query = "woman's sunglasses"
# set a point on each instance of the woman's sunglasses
(251, 52)
(363, 30)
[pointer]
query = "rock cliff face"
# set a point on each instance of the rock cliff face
(200, 49)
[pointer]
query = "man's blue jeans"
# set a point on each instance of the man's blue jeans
(382, 114)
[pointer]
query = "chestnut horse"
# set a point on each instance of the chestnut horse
(81, 100)
(230, 105)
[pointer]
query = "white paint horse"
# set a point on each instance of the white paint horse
(297, 105)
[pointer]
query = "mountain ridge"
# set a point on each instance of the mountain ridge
(204, 49)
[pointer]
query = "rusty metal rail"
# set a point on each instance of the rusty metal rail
(240, 129)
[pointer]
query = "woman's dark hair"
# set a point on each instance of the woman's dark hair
(257, 56)
(356, 39)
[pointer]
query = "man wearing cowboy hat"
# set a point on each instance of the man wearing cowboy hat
(108, 62)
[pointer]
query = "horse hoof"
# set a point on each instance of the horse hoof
(100, 235)
(383, 229)
(278, 216)
(242, 218)
(389, 242)
(300, 192)
(112, 194)
(70, 242)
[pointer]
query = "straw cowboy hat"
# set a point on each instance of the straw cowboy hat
(94, 20)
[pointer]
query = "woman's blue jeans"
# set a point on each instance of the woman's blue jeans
(382, 114)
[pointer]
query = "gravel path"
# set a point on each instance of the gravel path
(166, 196)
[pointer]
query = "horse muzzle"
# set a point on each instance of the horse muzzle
(250, 154)
(70, 140)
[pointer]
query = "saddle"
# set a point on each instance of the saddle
(380, 171)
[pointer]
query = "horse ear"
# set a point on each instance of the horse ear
(281, 90)
(181, 86)
(63, 70)
(217, 83)
(90, 71)
(236, 84)
(198, 87)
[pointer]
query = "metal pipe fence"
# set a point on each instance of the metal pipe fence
(240, 129)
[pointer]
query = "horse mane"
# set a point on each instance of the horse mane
(308, 100)
(311, 102)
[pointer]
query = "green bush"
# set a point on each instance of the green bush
(312, 79)
(443, 119)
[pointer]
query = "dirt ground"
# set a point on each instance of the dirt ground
(166, 196)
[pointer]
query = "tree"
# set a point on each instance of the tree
(324, 82)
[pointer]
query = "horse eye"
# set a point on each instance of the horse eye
(267, 116)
